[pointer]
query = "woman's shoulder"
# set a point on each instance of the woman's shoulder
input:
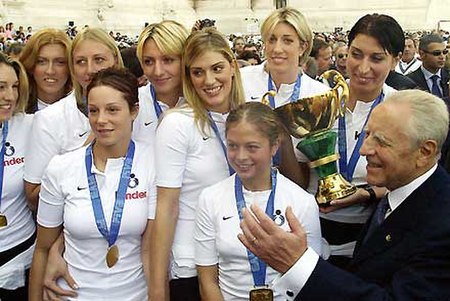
(63, 162)
(179, 115)
(288, 186)
(222, 187)
(58, 110)
(387, 90)
(23, 120)
(313, 86)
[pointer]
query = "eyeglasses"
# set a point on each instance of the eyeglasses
(436, 52)
(342, 55)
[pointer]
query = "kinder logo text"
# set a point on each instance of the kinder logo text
(136, 195)
(13, 161)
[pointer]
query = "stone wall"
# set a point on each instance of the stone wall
(239, 16)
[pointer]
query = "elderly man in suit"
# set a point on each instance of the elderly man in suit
(403, 253)
(431, 76)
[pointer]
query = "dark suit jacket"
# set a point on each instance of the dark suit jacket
(399, 81)
(407, 258)
(418, 77)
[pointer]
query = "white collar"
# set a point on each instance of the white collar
(397, 196)
(428, 74)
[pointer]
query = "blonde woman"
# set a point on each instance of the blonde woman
(64, 126)
(17, 229)
(190, 155)
(159, 51)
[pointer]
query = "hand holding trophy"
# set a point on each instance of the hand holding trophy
(311, 119)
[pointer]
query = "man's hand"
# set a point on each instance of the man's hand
(276, 247)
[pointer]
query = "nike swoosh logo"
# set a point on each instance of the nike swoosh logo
(254, 97)
(226, 217)
(148, 123)
(205, 138)
(81, 188)
(82, 134)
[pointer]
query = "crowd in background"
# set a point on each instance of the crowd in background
(191, 108)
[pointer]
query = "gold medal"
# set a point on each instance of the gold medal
(112, 256)
(3, 221)
(261, 293)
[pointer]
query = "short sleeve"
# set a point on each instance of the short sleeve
(41, 148)
(172, 142)
(309, 217)
(51, 198)
(205, 233)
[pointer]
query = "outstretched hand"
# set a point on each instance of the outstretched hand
(276, 247)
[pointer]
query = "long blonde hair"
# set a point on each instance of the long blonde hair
(168, 35)
(97, 35)
(197, 44)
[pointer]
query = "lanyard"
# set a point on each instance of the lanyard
(224, 148)
(294, 97)
(158, 109)
(257, 266)
(2, 155)
(295, 94)
(116, 218)
(347, 170)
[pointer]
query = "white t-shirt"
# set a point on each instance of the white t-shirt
(65, 200)
(13, 201)
(190, 160)
(144, 126)
(217, 227)
(255, 81)
(354, 122)
(57, 129)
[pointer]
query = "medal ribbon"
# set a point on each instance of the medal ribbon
(2, 156)
(347, 170)
(293, 98)
(224, 148)
(158, 109)
(257, 266)
(116, 218)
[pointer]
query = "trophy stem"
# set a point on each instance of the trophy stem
(320, 150)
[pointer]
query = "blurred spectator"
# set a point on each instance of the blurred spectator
(238, 46)
(251, 57)
(408, 62)
(14, 50)
(340, 58)
(321, 52)
(310, 67)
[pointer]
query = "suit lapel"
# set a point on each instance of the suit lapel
(400, 222)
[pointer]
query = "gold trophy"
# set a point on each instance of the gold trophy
(311, 119)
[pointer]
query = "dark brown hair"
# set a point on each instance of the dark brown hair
(119, 79)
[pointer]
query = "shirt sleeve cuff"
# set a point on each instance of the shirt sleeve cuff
(291, 283)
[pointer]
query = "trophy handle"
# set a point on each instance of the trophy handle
(265, 99)
(340, 90)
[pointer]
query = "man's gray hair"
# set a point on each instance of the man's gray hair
(429, 116)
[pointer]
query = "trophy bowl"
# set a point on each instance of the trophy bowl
(311, 119)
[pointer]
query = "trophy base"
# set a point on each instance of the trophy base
(333, 187)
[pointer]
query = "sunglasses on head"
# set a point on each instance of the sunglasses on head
(436, 52)
(342, 55)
